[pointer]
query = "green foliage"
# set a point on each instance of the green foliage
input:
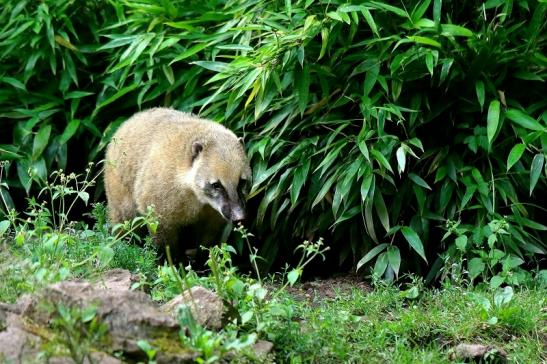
(377, 126)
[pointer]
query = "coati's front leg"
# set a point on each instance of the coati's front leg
(167, 236)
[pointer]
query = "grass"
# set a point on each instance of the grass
(382, 324)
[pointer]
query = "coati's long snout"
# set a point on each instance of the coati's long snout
(234, 212)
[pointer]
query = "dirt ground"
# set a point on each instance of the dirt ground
(321, 289)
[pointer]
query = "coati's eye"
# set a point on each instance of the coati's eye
(217, 186)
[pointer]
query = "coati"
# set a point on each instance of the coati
(193, 171)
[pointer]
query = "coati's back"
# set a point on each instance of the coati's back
(185, 166)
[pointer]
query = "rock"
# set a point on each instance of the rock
(16, 344)
(130, 316)
(477, 351)
(206, 306)
(96, 357)
(117, 280)
(262, 347)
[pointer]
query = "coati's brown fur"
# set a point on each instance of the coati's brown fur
(194, 171)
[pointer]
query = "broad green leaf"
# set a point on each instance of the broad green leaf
(371, 77)
(369, 222)
(365, 186)
(455, 30)
(41, 140)
(419, 181)
(437, 6)
(535, 170)
(4, 226)
(511, 262)
(300, 176)
(496, 281)
(514, 155)
(461, 242)
(169, 75)
(524, 120)
(394, 258)
(14, 82)
(479, 89)
(493, 120)
(213, 65)
(401, 159)
(324, 42)
(292, 276)
(381, 210)
(335, 15)
(324, 189)
(381, 159)
(84, 196)
(424, 40)
(105, 255)
(303, 87)
(381, 265)
(393, 9)
(420, 9)
(77, 94)
(503, 297)
(69, 131)
(429, 63)
(24, 177)
(246, 83)
(190, 52)
(445, 69)
(414, 241)
(469, 192)
(371, 254)
(370, 21)
(475, 267)
(116, 96)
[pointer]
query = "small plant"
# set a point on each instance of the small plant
(483, 252)
(76, 332)
(148, 349)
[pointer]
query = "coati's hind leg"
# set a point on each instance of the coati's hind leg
(121, 206)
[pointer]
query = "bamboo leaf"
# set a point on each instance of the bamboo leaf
(303, 86)
(414, 241)
(514, 155)
(419, 180)
(381, 159)
(41, 140)
(381, 210)
(535, 170)
(401, 159)
(492, 120)
(381, 265)
(479, 89)
(394, 258)
(371, 254)
(524, 120)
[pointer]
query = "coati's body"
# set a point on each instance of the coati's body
(192, 170)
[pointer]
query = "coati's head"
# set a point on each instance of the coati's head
(221, 175)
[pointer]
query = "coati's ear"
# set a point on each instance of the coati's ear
(197, 147)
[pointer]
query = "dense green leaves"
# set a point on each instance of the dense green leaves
(376, 125)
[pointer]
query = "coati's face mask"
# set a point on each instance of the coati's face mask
(222, 179)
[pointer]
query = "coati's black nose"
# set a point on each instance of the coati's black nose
(238, 215)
